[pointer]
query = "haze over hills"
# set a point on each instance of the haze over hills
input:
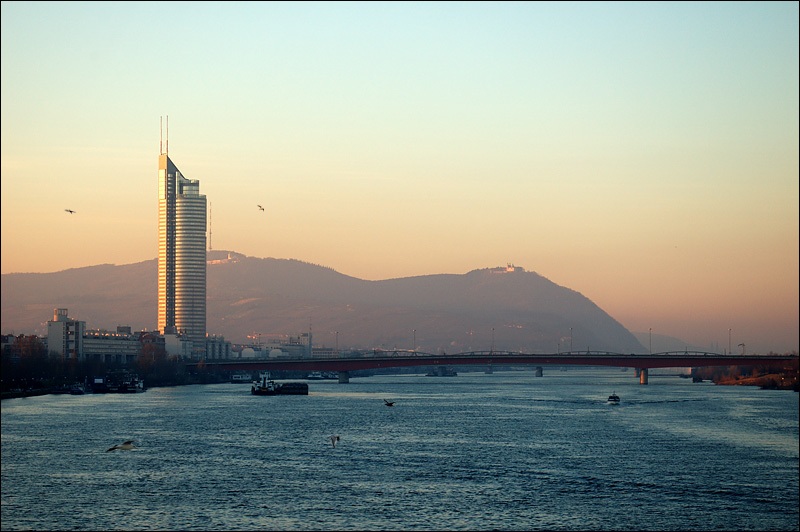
(501, 308)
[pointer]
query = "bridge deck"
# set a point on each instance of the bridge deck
(402, 358)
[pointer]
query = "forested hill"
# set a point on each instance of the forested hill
(504, 308)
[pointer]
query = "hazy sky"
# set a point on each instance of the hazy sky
(643, 154)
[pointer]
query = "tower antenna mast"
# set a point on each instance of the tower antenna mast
(167, 135)
(160, 135)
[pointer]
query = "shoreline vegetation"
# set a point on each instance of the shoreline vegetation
(765, 377)
(29, 370)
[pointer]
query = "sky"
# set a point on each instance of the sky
(643, 154)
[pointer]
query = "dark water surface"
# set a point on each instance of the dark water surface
(503, 451)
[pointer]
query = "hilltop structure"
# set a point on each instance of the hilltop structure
(181, 254)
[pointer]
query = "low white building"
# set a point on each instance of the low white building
(120, 346)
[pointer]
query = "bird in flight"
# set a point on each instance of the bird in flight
(69, 211)
(127, 445)
(260, 207)
(388, 403)
(334, 438)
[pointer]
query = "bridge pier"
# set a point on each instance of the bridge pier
(539, 371)
(642, 375)
(344, 377)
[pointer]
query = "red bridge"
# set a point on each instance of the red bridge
(359, 360)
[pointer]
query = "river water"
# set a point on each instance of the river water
(501, 451)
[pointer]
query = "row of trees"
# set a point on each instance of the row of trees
(776, 377)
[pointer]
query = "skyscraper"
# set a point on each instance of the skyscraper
(181, 253)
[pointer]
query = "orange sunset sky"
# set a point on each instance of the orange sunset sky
(643, 154)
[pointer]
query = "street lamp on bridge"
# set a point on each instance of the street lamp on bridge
(414, 347)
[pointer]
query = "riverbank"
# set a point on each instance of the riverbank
(775, 381)
(772, 381)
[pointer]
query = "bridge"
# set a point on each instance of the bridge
(344, 363)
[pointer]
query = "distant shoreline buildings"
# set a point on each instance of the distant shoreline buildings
(70, 339)
(182, 277)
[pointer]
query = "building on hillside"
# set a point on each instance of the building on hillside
(181, 254)
(65, 335)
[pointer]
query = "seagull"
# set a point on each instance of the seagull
(69, 211)
(388, 403)
(334, 438)
(127, 445)
(260, 207)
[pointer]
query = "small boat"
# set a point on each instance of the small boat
(266, 386)
(613, 399)
(315, 376)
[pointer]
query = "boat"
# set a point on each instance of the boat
(613, 399)
(132, 385)
(266, 386)
(315, 376)
(118, 382)
(77, 389)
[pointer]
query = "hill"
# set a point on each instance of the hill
(504, 308)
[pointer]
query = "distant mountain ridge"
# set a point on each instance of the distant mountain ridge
(501, 308)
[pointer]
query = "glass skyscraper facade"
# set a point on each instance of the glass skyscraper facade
(181, 254)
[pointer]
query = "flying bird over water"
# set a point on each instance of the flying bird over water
(127, 445)
(388, 403)
(334, 438)
(260, 207)
(69, 211)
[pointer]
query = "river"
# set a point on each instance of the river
(500, 451)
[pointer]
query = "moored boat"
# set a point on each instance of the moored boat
(118, 382)
(266, 386)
